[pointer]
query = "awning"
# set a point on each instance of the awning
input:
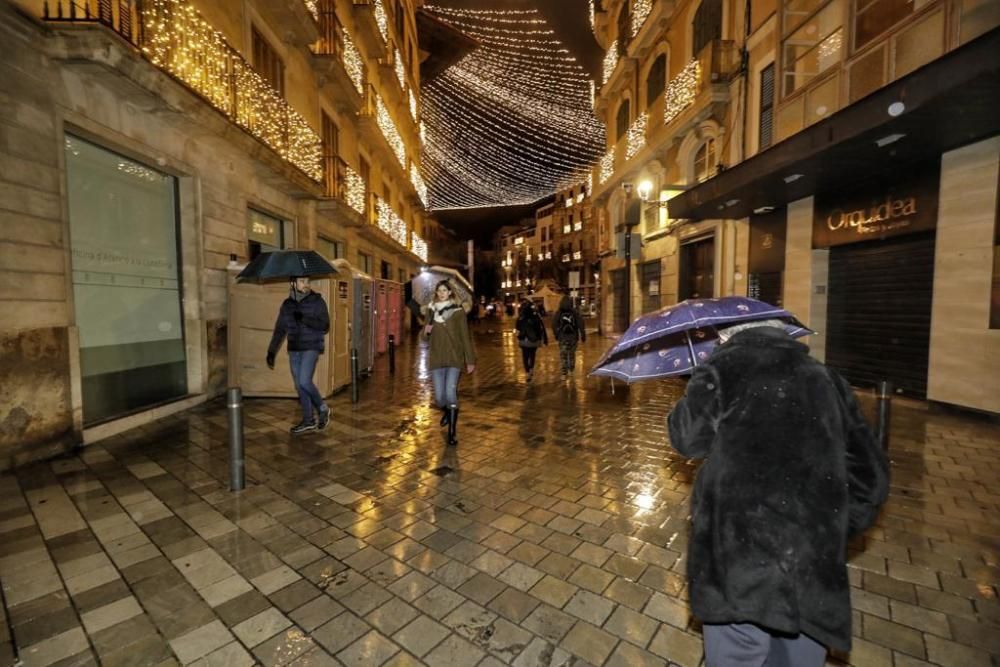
(951, 102)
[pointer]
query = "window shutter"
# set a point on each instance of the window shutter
(766, 129)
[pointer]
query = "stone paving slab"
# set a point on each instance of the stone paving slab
(554, 534)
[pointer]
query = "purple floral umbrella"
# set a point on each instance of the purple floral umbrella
(674, 340)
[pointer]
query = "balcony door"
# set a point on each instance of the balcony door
(697, 270)
(124, 242)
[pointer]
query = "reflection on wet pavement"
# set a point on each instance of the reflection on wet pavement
(554, 534)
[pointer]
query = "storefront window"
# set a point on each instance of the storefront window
(267, 233)
(813, 40)
(365, 263)
(126, 282)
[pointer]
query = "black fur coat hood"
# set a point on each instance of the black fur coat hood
(792, 471)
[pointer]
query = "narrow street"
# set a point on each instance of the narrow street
(553, 534)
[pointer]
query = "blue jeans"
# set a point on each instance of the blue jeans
(746, 645)
(446, 386)
(303, 365)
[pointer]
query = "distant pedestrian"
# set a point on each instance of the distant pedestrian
(792, 473)
(451, 349)
(531, 335)
(304, 320)
(567, 325)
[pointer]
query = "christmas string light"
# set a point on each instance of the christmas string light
(418, 184)
(354, 190)
(418, 246)
(400, 68)
(635, 138)
(681, 91)
(313, 7)
(177, 39)
(381, 19)
(389, 222)
(414, 110)
(610, 61)
(353, 64)
(521, 94)
(640, 12)
(388, 127)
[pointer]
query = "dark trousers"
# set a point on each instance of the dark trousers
(528, 357)
(303, 365)
(746, 645)
(567, 353)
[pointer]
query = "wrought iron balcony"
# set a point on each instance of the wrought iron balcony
(174, 37)
(702, 83)
(336, 60)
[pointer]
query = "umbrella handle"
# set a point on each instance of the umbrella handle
(694, 359)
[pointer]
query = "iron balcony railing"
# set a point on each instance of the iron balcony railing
(174, 37)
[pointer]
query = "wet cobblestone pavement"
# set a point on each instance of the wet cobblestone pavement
(553, 535)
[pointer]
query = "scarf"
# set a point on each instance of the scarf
(441, 310)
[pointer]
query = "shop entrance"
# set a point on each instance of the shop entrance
(697, 270)
(879, 311)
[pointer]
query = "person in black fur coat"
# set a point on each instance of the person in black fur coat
(792, 472)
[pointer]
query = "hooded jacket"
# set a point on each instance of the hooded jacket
(792, 471)
(528, 319)
(307, 332)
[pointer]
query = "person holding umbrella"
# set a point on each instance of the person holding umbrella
(304, 320)
(792, 473)
(531, 335)
(447, 331)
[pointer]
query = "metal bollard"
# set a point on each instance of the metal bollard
(234, 408)
(354, 375)
(883, 407)
(392, 354)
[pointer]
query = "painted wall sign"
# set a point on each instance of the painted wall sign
(879, 210)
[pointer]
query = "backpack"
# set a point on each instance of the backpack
(566, 326)
(532, 330)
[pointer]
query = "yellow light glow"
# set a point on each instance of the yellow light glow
(681, 91)
(610, 61)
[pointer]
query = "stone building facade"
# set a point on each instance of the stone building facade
(145, 149)
(771, 142)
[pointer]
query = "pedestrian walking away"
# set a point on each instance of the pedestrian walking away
(531, 335)
(304, 321)
(791, 473)
(447, 331)
(567, 325)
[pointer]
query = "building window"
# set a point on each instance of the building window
(813, 40)
(874, 17)
(385, 271)
(332, 171)
(329, 248)
(705, 161)
(365, 262)
(707, 25)
(765, 133)
(266, 61)
(621, 124)
(656, 80)
(267, 233)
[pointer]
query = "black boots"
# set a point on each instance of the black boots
(451, 412)
(444, 416)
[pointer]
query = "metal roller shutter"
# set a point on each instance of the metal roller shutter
(879, 311)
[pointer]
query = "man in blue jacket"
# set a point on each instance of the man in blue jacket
(304, 320)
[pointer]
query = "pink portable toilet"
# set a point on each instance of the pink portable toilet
(396, 312)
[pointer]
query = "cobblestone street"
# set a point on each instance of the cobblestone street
(553, 534)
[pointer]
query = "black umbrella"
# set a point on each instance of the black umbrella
(285, 264)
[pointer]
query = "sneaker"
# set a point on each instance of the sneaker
(324, 419)
(303, 427)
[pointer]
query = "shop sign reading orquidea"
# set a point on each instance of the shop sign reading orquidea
(880, 211)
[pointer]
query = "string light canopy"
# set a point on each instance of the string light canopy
(513, 121)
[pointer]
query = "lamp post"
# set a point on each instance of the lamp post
(633, 214)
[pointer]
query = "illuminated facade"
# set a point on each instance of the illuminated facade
(246, 125)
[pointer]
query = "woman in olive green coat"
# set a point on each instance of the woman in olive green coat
(450, 349)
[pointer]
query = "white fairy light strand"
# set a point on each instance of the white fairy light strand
(521, 94)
